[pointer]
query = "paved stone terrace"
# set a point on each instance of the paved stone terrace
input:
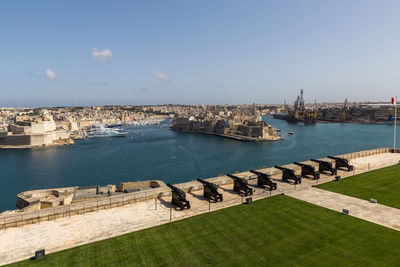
(20, 243)
(363, 209)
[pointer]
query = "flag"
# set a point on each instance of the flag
(393, 100)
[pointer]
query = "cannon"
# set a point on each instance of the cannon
(264, 179)
(211, 191)
(307, 170)
(179, 197)
(342, 163)
(289, 174)
(240, 185)
(325, 166)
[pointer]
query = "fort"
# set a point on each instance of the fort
(34, 131)
(246, 130)
(50, 198)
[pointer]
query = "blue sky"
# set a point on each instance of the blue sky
(197, 52)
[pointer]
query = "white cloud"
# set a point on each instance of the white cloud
(160, 75)
(101, 55)
(51, 75)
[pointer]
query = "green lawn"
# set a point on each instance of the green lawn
(382, 184)
(271, 232)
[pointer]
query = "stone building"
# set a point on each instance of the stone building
(33, 132)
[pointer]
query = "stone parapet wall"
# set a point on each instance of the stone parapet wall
(23, 218)
(367, 153)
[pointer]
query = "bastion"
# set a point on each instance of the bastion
(50, 198)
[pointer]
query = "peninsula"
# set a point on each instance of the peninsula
(239, 124)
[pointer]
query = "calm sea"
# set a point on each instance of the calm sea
(154, 152)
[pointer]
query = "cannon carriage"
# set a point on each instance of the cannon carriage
(307, 170)
(342, 163)
(211, 191)
(289, 174)
(179, 197)
(325, 166)
(264, 180)
(240, 185)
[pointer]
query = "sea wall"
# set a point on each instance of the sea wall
(15, 140)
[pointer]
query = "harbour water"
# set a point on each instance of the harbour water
(154, 152)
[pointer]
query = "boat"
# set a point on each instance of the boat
(115, 125)
(280, 116)
(102, 131)
(290, 133)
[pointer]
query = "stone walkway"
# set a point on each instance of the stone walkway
(363, 209)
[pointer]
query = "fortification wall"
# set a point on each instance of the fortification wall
(42, 127)
(23, 218)
(15, 140)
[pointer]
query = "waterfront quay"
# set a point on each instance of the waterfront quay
(92, 223)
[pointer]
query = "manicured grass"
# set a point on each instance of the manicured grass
(382, 184)
(271, 232)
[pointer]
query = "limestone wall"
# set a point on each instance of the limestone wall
(140, 184)
(366, 153)
(22, 218)
(42, 127)
(33, 139)
(15, 140)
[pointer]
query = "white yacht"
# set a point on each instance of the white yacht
(102, 131)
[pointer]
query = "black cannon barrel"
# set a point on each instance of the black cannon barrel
(317, 160)
(257, 172)
(236, 178)
(177, 191)
(206, 183)
(283, 168)
(174, 188)
(302, 164)
(338, 159)
(322, 162)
